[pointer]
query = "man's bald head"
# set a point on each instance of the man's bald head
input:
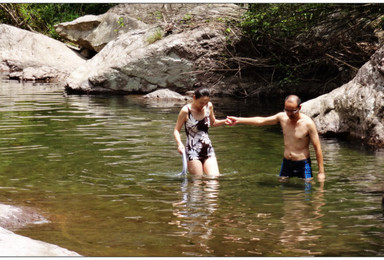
(293, 99)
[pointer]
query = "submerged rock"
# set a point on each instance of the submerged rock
(356, 108)
(15, 217)
(165, 98)
(166, 94)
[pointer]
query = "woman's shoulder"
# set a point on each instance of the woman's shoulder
(186, 108)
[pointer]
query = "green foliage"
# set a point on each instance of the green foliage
(42, 17)
(187, 18)
(158, 15)
(280, 20)
(293, 37)
(155, 36)
(121, 24)
(283, 21)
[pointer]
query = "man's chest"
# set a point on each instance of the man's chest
(295, 132)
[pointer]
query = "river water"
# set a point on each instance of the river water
(104, 171)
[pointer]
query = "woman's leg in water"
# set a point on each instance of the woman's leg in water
(195, 167)
(211, 167)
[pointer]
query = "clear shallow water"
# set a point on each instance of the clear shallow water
(103, 170)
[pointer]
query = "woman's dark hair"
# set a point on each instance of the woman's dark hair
(202, 92)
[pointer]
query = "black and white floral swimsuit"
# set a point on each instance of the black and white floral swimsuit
(199, 146)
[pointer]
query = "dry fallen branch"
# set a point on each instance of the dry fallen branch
(262, 63)
(345, 63)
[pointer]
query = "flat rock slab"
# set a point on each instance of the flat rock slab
(12, 244)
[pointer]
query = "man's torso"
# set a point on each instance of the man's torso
(296, 138)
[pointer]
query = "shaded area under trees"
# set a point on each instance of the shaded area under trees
(307, 48)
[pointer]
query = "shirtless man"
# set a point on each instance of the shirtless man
(299, 130)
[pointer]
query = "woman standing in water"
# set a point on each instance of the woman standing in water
(197, 117)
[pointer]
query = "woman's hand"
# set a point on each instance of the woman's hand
(231, 120)
(180, 149)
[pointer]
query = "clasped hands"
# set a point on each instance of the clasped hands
(231, 120)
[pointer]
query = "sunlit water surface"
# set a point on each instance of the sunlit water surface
(104, 171)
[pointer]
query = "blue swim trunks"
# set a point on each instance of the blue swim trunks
(301, 169)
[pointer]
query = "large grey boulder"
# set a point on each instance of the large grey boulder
(94, 32)
(131, 64)
(33, 56)
(153, 13)
(140, 61)
(356, 108)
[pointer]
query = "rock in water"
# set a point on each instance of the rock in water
(356, 108)
(12, 244)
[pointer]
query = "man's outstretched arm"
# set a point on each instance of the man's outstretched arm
(257, 120)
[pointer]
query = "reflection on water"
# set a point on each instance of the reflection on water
(194, 214)
(104, 172)
(300, 219)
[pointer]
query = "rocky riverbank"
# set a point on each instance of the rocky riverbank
(140, 48)
(356, 108)
(12, 244)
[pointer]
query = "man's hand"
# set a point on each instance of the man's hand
(231, 120)
(321, 177)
